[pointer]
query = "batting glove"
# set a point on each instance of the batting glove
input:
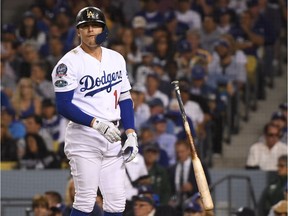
(110, 132)
(130, 147)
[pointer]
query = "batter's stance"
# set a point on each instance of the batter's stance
(92, 91)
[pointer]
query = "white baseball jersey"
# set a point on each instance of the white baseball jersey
(93, 81)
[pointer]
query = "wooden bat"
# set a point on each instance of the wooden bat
(197, 165)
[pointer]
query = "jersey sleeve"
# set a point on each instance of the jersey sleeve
(64, 74)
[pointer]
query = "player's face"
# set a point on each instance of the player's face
(87, 32)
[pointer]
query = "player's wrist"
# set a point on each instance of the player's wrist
(92, 124)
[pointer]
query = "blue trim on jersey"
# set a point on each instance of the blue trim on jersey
(66, 108)
(127, 114)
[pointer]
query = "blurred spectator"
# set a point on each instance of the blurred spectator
(34, 125)
(30, 55)
(264, 155)
(203, 7)
(225, 21)
(40, 205)
(185, 14)
(25, 100)
(147, 137)
(283, 107)
(182, 176)
(129, 8)
(28, 31)
(209, 33)
(136, 175)
(280, 209)
(158, 174)
(164, 49)
(144, 68)
(42, 86)
(15, 127)
(280, 120)
(55, 47)
(42, 21)
(9, 66)
(8, 145)
(165, 140)
(68, 36)
(142, 40)
(37, 156)
(54, 123)
(193, 209)
(144, 205)
(55, 200)
(275, 190)
(192, 109)
(199, 55)
(175, 28)
(141, 109)
(183, 58)
(152, 86)
(152, 15)
(133, 54)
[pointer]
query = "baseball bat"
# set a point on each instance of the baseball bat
(197, 165)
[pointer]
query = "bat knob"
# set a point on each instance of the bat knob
(176, 84)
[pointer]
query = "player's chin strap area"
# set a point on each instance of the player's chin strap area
(100, 38)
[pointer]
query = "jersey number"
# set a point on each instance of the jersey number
(116, 101)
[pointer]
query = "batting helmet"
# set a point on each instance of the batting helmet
(93, 14)
(90, 14)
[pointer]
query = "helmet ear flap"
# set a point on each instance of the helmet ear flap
(100, 38)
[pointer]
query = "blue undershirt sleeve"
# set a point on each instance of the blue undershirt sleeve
(66, 108)
(127, 114)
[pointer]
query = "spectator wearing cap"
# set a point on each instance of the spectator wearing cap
(158, 174)
(152, 15)
(165, 140)
(264, 155)
(225, 20)
(142, 40)
(144, 205)
(185, 14)
(141, 109)
(193, 209)
(276, 189)
(152, 86)
(183, 58)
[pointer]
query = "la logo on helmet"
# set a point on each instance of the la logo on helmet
(90, 14)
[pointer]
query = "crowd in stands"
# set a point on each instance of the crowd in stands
(225, 53)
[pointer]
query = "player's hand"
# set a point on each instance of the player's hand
(110, 132)
(130, 147)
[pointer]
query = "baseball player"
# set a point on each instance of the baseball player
(92, 91)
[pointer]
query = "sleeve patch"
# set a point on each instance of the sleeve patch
(60, 83)
(61, 71)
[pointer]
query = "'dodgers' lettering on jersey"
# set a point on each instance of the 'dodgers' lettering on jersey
(105, 82)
